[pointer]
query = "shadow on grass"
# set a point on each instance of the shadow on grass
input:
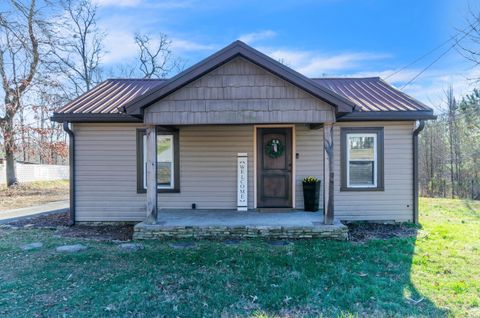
(471, 209)
(212, 279)
(343, 279)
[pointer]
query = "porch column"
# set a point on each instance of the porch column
(328, 173)
(151, 159)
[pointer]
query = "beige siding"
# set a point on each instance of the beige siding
(106, 170)
(309, 146)
(106, 173)
(208, 167)
(239, 92)
(395, 203)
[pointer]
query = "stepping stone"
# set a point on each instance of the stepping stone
(279, 243)
(181, 245)
(131, 247)
(31, 246)
(71, 248)
(232, 242)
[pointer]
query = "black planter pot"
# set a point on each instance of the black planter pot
(311, 196)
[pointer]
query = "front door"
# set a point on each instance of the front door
(274, 167)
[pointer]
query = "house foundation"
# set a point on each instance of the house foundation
(240, 225)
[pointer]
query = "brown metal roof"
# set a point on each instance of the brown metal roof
(374, 99)
(109, 96)
(372, 94)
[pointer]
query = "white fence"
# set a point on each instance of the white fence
(34, 172)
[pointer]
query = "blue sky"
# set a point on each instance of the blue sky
(317, 38)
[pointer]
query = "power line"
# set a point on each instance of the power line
(431, 51)
(438, 58)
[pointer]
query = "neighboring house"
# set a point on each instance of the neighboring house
(239, 102)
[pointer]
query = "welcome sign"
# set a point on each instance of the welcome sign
(242, 182)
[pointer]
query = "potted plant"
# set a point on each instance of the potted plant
(311, 193)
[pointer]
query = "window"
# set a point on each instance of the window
(362, 159)
(167, 161)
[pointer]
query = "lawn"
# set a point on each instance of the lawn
(434, 273)
(32, 193)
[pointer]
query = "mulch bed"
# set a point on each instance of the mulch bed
(121, 232)
(364, 231)
(358, 231)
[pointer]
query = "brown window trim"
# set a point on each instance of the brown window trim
(380, 157)
(176, 160)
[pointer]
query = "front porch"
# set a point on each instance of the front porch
(223, 224)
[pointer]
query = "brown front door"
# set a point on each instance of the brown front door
(274, 167)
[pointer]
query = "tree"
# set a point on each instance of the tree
(19, 60)
(155, 58)
(80, 49)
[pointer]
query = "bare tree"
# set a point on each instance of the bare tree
(80, 47)
(19, 60)
(156, 59)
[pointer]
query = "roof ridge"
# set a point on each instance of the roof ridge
(136, 79)
(345, 78)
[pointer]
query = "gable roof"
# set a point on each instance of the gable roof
(373, 98)
(238, 48)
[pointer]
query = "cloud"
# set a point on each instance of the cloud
(314, 64)
(120, 46)
(186, 45)
(160, 4)
(118, 3)
(257, 36)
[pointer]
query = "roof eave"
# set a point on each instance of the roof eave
(388, 116)
(94, 118)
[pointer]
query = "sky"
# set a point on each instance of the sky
(317, 38)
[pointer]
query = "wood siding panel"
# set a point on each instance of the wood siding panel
(235, 93)
(309, 146)
(395, 202)
(106, 170)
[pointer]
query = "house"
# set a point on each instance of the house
(239, 131)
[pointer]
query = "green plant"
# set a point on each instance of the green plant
(310, 179)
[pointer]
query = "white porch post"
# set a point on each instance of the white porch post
(328, 173)
(151, 159)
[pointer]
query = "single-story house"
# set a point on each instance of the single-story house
(234, 135)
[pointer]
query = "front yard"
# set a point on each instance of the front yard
(33, 193)
(434, 272)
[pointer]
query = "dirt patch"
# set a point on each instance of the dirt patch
(33, 193)
(43, 221)
(99, 232)
(361, 231)
(94, 232)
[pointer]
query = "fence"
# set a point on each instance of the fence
(34, 172)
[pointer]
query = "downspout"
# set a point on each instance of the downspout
(71, 155)
(417, 131)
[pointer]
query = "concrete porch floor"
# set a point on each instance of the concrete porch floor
(221, 224)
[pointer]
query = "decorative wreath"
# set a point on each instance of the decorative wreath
(274, 148)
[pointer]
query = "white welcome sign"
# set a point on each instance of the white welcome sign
(242, 182)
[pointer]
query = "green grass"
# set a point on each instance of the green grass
(379, 278)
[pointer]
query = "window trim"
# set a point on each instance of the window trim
(379, 162)
(176, 161)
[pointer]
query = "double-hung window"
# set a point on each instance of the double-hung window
(167, 161)
(362, 159)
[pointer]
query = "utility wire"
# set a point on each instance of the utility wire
(439, 57)
(431, 51)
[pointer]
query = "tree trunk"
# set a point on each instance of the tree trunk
(9, 138)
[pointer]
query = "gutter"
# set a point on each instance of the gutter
(71, 155)
(421, 125)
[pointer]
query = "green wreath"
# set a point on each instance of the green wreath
(274, 148)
